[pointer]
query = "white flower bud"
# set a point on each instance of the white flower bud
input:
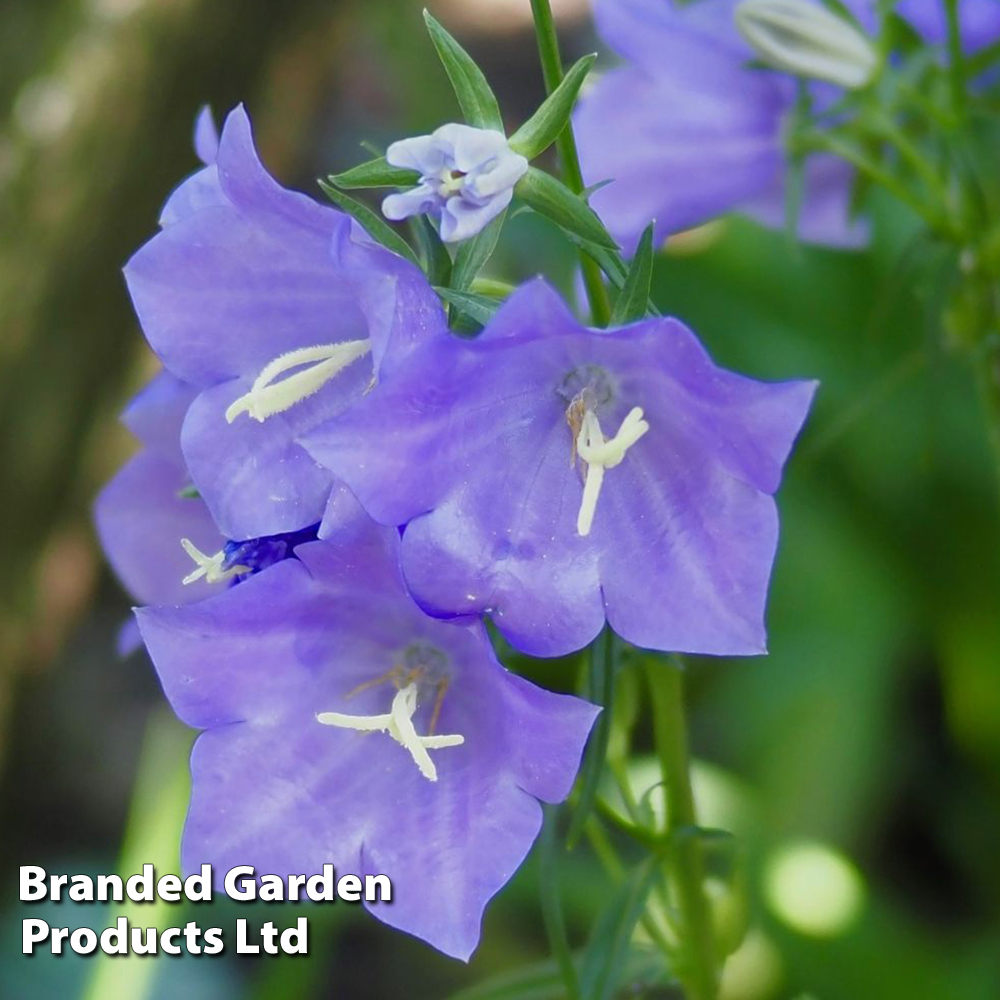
(802, 37)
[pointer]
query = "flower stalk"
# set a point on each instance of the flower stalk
(698, 969)
(552, 71)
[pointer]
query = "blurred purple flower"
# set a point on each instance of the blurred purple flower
(687, 130)
(280, 312)
(552, 475)
(467, 178)
(322, 688)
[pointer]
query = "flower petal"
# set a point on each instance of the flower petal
(676, 153)
(275, 789)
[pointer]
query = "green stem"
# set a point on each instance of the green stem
(552, 915)
(552, 71)
(699, 972)
(606, 854)
(988, 378)
(831, 143)
(956, 59)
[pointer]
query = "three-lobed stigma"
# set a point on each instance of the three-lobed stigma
(598, 454)
(398, 723)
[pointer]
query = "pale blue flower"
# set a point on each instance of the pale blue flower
(467, 178)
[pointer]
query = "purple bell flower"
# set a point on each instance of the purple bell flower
(467, 178)
(687, 130)
(151, 530)
(555, 476)
(344, 726)
(141, 515)
(280, 312)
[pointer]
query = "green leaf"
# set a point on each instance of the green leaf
(371, 222)
(542, 981)
(552, 914)
(189, 492)
(541, 129)
(602, 686)
(437, 260)
(472, 255)
(551, 198)
(612, 264)
(475, 98)
(633, 298)
(375, 173)
(610, 944)
(477, 307)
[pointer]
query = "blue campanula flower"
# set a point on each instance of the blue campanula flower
(344, 726)
(160, 539)
(555, 476)
(467, 178)
(687, 129)
(280, 312)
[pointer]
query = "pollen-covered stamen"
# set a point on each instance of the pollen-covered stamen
(268, 397)
(599, 455)
(398, 723)
(213, 568)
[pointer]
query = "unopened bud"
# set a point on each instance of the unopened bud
(804, 38)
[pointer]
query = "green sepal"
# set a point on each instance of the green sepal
(475, 98)
(551, 198)
(374, 174)
(373, 224)
(541, 129)
(473, 253)
(633, 299)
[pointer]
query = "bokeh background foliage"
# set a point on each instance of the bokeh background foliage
(872, 730)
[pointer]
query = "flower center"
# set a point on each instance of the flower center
(449, 182)
(213, 568)
(239, 559)
(596, 453)
(398, 723)
(319, 365)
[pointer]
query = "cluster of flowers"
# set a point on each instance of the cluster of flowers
(690, 128)
(335, 490)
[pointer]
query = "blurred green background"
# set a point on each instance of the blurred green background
(859, 761)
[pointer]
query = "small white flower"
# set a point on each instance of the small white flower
(467, 177)
(802, 37)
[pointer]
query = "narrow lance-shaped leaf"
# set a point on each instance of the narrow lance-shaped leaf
(373, 174)
(552, 915)
(541, 129)
(477, 307)
(602, 686)
(607, 952)
(612, 264)
(551, 198)
(475, 98)
(472, 255)
(633, 298)
(437, 260)
(371, 222)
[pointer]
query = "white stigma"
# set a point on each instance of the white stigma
(599, 455)
(212, 568)
(267, 397)
(398, 723)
